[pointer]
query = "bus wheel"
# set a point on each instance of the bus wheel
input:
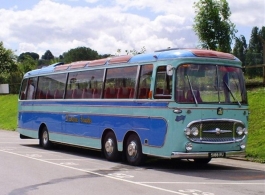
(110, 148)
(133, 151)
(202, 161)
(44, 138)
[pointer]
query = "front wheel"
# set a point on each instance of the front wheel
(133, 151)
(44, 139)
(110, 148)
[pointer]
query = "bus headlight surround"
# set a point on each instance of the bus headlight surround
(239, 130)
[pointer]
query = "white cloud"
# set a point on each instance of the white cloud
(248, 13)
(106, 26)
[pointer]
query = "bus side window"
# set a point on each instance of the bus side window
(120, 82)
(145, 81)
(23, 89)
(163, 84)
(31, 88)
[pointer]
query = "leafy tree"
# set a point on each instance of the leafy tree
(21, 57)
(240, 48)
(27, 64)
(7, 59)
(80, 53)
(255, 51)
(213, 26)
(47, 55)
(133, 51)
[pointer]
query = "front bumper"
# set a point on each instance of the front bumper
(181, 155)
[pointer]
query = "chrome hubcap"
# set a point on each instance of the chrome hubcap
(109, 146)
(45, 137)
(132, 149)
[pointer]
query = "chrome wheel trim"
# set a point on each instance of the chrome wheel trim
(45, 137)
(132, 149)
(109, 146)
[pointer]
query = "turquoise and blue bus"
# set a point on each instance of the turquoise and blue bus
(173, 103)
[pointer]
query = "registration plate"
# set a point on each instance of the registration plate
(217, 155)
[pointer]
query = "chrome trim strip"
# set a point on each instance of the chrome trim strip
(182, 155)
(216, 120)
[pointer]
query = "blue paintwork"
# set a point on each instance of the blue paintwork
(92, 126)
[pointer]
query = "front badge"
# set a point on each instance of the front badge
(220, 111)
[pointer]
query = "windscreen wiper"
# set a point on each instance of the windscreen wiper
(192, 92)
(230, 91)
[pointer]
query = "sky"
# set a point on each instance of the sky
(108, 25)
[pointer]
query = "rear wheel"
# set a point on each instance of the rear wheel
(133, 151)
(44, 138)
(110, 148)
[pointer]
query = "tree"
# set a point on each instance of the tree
(132, 51)
(47, 55)
(7, 59)
(27, 64)
(80, 53)
(34, 56)
(255, 51)
(240, 48)
(213, 26)
(135, 52)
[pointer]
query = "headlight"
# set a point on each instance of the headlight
(195, 131)
(187, 131)
(239, 130)
(245, 130)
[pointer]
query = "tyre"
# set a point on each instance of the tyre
(44, 139)
(133, 150)
(202, 161)
(110, 148)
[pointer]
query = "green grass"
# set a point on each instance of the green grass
(8, 112)
(256, 139)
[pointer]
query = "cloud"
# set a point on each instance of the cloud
(248, 13)
(106, 26)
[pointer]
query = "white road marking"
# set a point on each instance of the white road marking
(95, 173)
(120, 175)
(204, 183)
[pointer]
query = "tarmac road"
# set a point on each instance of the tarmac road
(26, 168)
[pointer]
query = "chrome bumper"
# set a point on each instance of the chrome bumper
(182, 155)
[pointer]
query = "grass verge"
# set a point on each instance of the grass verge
(8, 112)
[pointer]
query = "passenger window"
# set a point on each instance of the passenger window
(120, 83)
(51, 87)
(145, 81)
(85, 84)
(163, 84)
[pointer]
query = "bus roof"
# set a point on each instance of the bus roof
(165, 54)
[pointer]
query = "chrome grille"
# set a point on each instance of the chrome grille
(216, 131)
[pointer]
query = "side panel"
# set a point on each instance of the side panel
(83, 123)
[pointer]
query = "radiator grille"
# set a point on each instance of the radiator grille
(216, 131)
